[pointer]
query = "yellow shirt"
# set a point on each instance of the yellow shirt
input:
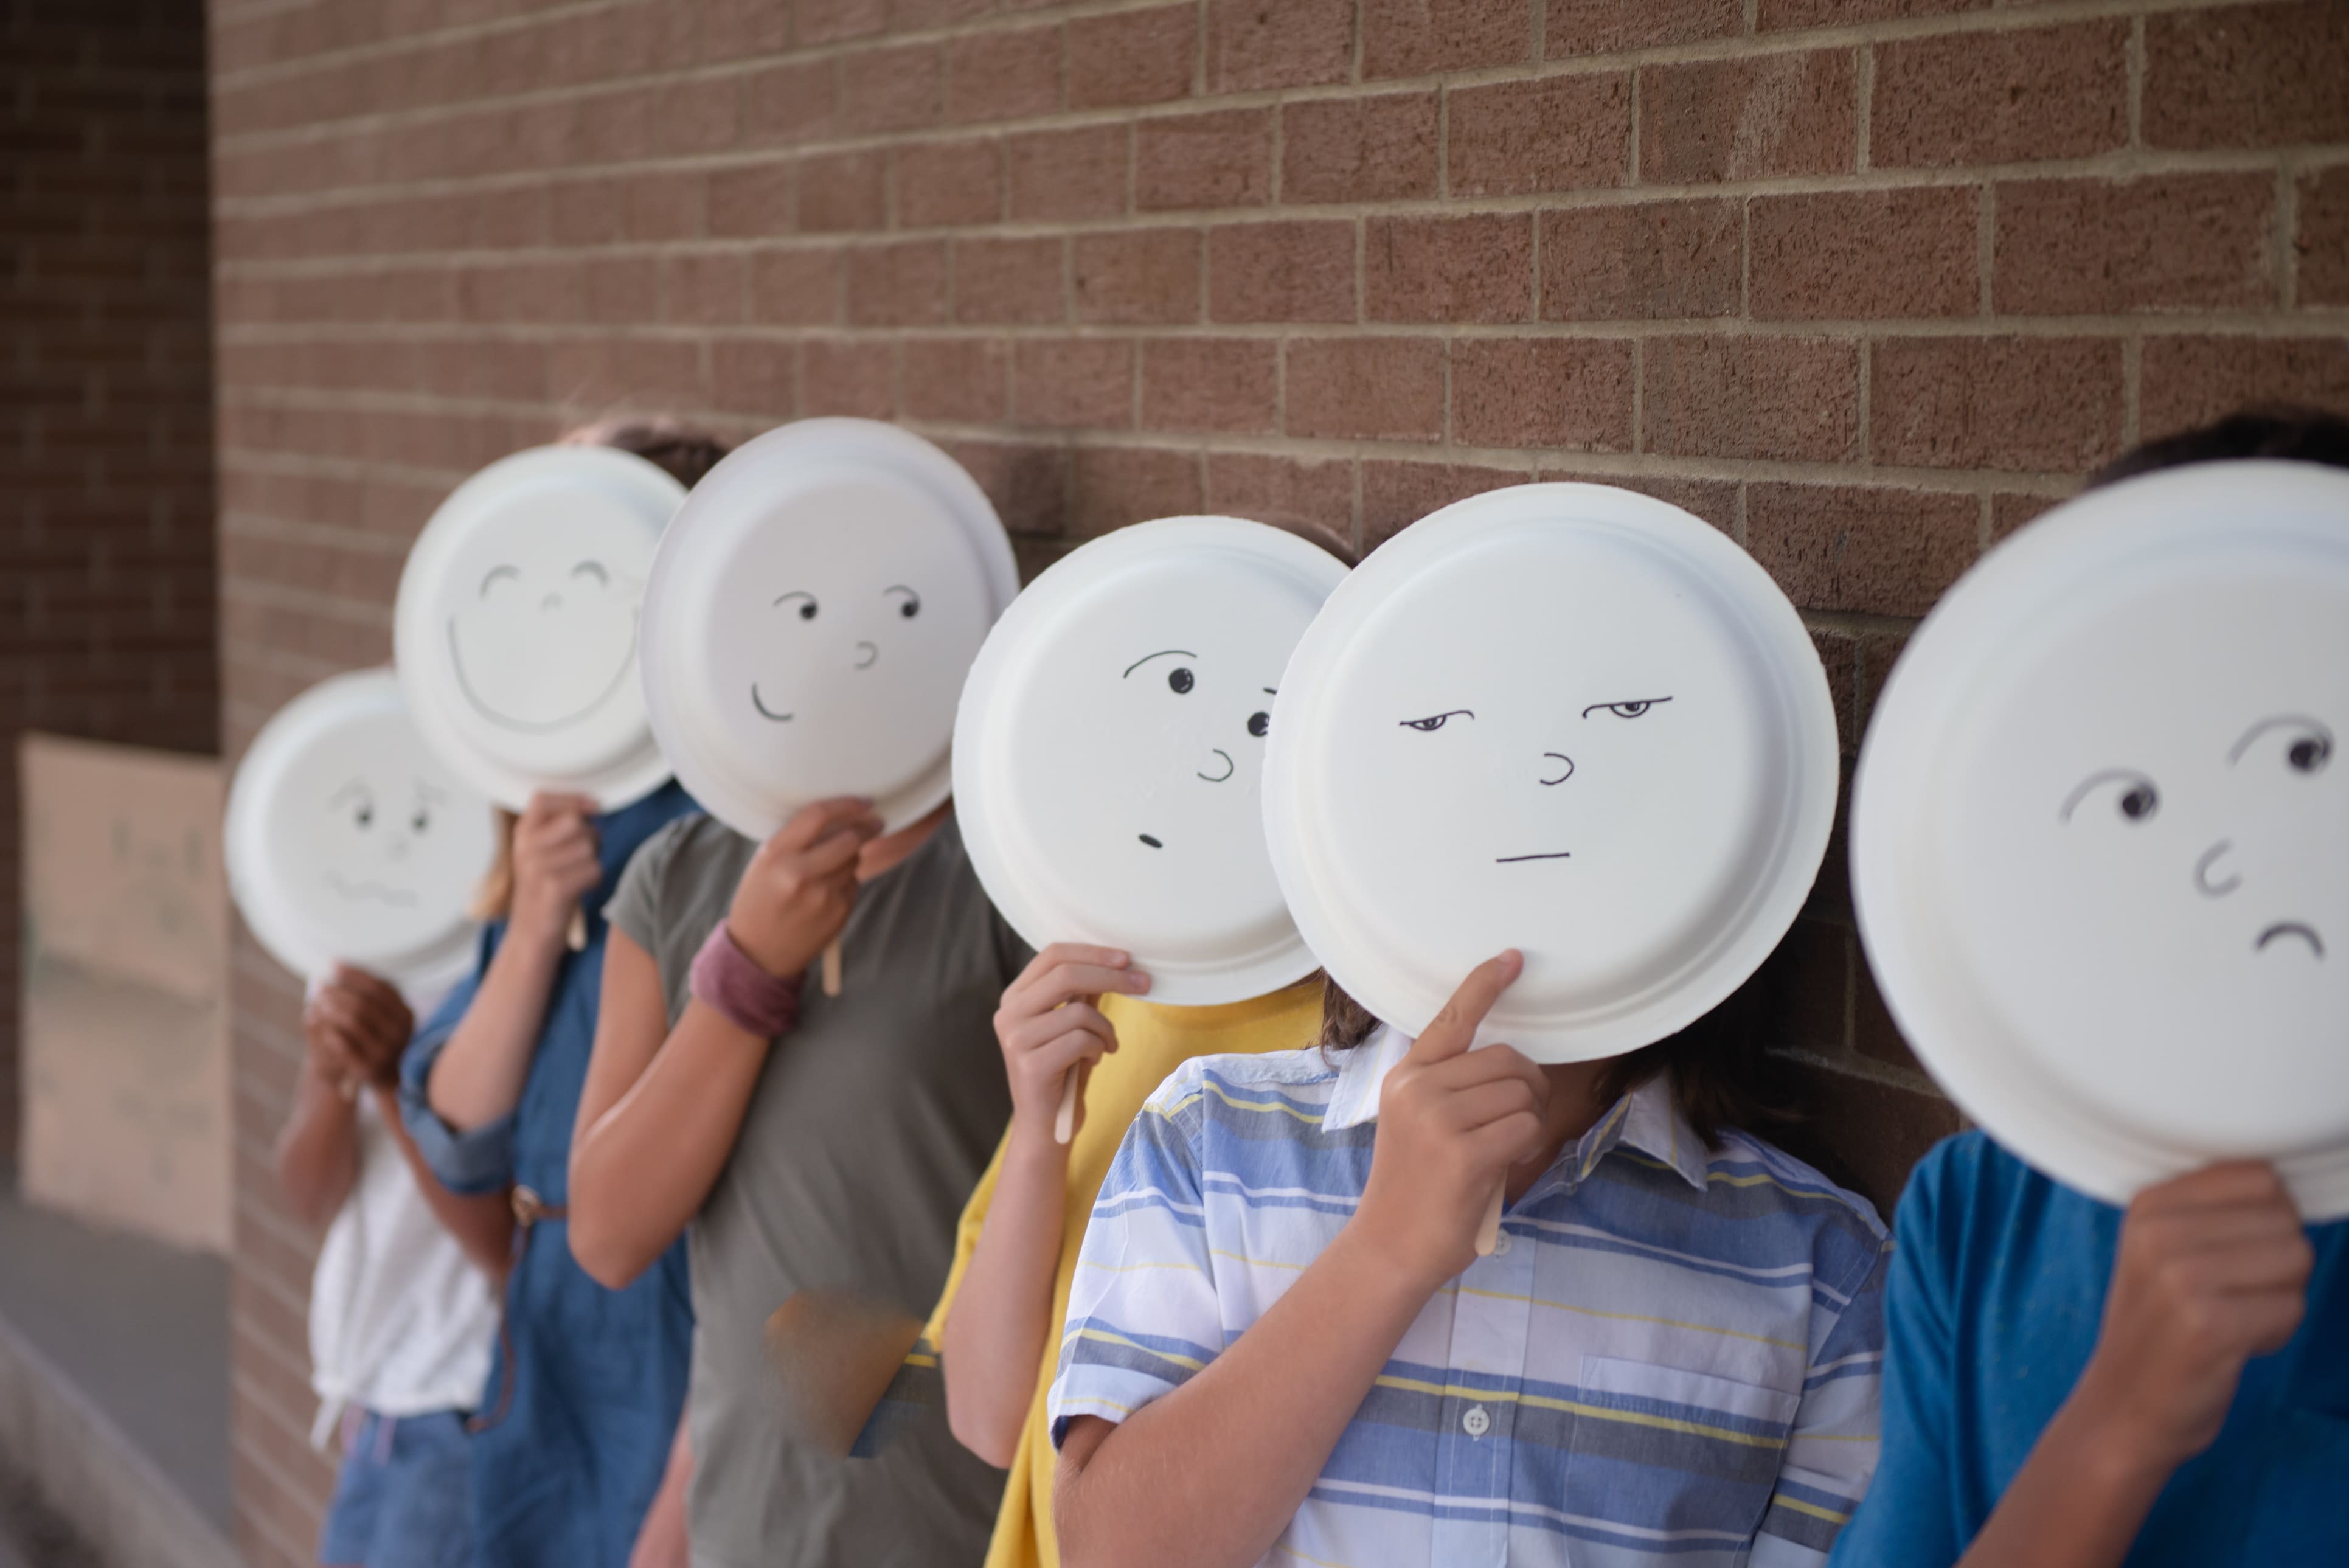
(1151, 1042)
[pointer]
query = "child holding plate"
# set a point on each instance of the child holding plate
(1580, 723)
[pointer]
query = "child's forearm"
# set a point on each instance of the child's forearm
(480, 1074)
(317, 1151)
(999, 1328)
(1210, 1475)
(2078, 1502)
(482, 1224)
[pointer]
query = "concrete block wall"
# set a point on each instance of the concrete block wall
(1865, 282)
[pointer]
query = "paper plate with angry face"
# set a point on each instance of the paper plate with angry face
(515, 632)
(811, 615)
(1108, 753)
(347, 839)
(2100, 836)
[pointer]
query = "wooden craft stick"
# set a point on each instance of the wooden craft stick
(831, 969)
(1064, 1121)
(577, 937)
(1489, 1234)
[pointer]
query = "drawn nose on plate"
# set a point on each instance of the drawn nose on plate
(1230, 767)
(866, 654)
(2216, 886)
(552, 602)
(1560, 764)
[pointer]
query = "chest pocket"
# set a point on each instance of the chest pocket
(1655, 1447)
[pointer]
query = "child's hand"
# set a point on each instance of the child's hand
(1451, 1123)
(553, 864)
(2213, 1269)
(1049, 1028)
(798, 889)
(357, 1027)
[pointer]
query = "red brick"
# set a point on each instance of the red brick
(1397, 494)
(2255, 76)
(1003, 75)
(1654, 261)
(792, 102)
(697, 117)
(1570, 393)
(1563, 133)
(828, 21)
(1781, 14)
(2184, 382)
(1872, 1132)
(1281, 272)
(840, 377)
(1413, 37)
(2176, 242)
(1861, 548)
(1376, 148)
(1027, 482)
(1874, 1034)
(1138, 276)
(2007, 514)
(2042, 404)
(1999, 98)
(1010, 280)
(796, 287)
(1113, 486)
(1278, 490)
(905, 16)
(1812, 968)
(1224, 384)
(743, 203)
(902, 284)
(1133, 57)
(1473, 269)
(2323, 242)
(948, 183)
(1851, 256)
(1749, 119)
(754, 375)
(710, 290)
(1784, 397)
(1370, 388)
(842, 192)
(1079, 381)
(1056, 174)
(965, 380)
(1219, 160)
(897, 89)
(1254, 45)
(1603, 26)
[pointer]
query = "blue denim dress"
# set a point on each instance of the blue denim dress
(573, 1430)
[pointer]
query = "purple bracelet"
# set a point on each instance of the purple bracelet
(728, 980)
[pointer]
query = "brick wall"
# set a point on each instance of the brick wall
(1865, 282)
(106, 488)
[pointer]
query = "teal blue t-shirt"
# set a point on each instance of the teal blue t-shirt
(1997, 1291)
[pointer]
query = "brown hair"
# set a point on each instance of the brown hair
(2274, 430)
(685, 454)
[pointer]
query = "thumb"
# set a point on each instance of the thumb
(1454, 1028)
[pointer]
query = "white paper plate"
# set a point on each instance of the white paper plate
(515, 629)
(348, 839)
(812, 611)
(2100, 838)
(1564, 719)
(1109, 751)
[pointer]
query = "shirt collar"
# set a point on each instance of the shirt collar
(1646, 1119)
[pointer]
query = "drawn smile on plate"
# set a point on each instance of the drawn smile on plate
(2291, 928)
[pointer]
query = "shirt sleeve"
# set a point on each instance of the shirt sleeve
(480, 1160)
(1832, 1447)
(635, 908)
(1143, 1314)
(1907, 1520)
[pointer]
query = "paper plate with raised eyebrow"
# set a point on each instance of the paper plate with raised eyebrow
(2100, 838)
(1109, 751)
(348, 839)
(812, 614)
(515, 628)
(1564, 719)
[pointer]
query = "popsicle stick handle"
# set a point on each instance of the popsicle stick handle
(831, 969)
(1064, 1120)
(1488, 1233)
(576, 936)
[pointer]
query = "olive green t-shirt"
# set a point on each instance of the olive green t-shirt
(870, 1124)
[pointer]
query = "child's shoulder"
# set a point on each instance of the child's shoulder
(1760, 1170)
(1220, 1076)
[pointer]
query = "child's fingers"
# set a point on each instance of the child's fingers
(1485, 1103)
(1078, 953)
(1500, 1144)
(1078, 1046)
(822, 819)
(1035, 1033)
(832, 853)
(1066, 982)
(1454, 1028)
(2230, 1184)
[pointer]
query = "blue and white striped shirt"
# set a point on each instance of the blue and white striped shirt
(1672, 1356)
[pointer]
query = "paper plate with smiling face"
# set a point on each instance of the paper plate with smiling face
(2100, 834)
(348, 839)
(1109, 752)
(812, 614)
(1563, 718)
(516, 630)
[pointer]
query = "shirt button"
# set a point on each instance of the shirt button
(1476, 1422)
(1501, 1247)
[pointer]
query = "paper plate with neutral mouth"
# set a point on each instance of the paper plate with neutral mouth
(1109, 751)
(2100, 836)
(349, 841)
(515, 629)
(812, 611)
(1563, 718)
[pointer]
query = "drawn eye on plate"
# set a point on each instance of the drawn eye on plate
(1633, 708)
(2309, 745)
(910, 604)
(497, 574)
(806, 602)
(593, 569)
(1436, 721)
(2137, 799)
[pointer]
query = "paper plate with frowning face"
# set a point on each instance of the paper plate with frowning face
(811, 613)
(1563, 718)
(348, 839)
(1109, 751)
(515, 632)
(2100, 838)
